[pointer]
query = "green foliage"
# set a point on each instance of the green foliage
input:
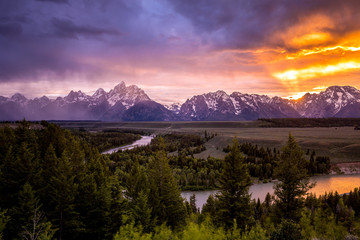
(256, 233)
(38, 228)
(107, 140)
(4, 219)
(307, 229)
(294, 181)
(56, 185)
(234, 198)
(130, 231)
(164, 197)
(325, 226)
(287, 230)
(163, 232)
(203, 231)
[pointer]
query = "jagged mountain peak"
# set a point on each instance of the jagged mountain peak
(120, 87)
(44, 98)
(131, 103)
(99, 92)
(341, 89)
(128, 96)
(18, 97)
(75, 96)
(332, 102)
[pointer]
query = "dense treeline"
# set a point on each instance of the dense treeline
(262, 162)
(309, 122)
(106, 139)
(56, 185)
(52, 184)
(285, 215)
(190, 173)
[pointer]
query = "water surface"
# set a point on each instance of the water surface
(145, 140)
(325, 183)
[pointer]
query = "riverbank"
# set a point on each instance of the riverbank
(143, 141)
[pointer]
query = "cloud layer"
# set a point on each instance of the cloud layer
(170, 47)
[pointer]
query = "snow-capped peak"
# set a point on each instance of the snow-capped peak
(120, 87)
(98, 93)
(128, 96)
(174, 107)
(76, 96)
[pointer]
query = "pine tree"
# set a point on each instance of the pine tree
(95, 185)
(210, 207)
(48, 166)
(193, 203)
(63, 193)
(294, 181)
(118, 203)
(22, 212)
(137, 192)
(234, 198)
(164, 195)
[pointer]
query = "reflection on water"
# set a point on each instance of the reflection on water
(331, 183)
(145, 140)
(326, 183)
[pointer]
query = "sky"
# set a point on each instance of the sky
(174, 49)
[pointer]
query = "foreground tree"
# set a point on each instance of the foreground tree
(165, 198)
(293, 181)
(234, 198)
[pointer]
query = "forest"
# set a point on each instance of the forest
(56, 184)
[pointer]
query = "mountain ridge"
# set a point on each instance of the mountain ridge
(131, 103)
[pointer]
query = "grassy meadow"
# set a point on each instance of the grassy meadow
(341, 144)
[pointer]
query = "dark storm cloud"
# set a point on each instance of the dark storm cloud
(251, 23)
(37, 38)
(67, 29)
(75, 36)
(10, 29)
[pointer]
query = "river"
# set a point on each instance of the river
(145, 140)
(324, 183)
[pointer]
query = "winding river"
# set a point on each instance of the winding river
(324, 183)
(145, 140)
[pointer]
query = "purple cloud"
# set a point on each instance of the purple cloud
(67, 29)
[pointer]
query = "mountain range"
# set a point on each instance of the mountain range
(130, 103)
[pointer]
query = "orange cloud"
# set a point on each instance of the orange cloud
(316, 71)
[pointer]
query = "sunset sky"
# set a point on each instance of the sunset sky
(178, 48)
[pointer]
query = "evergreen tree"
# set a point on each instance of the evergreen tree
(287, 230)
(234, 198)
(118, 203)
(48, 166)
(63, 192)
(294, 181)
(137, 192)
(209, 207)
(94, 214)
(193, 203)
(141, 211)
(22, 211)
(165, 197)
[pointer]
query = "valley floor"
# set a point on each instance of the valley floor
(341, 144)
